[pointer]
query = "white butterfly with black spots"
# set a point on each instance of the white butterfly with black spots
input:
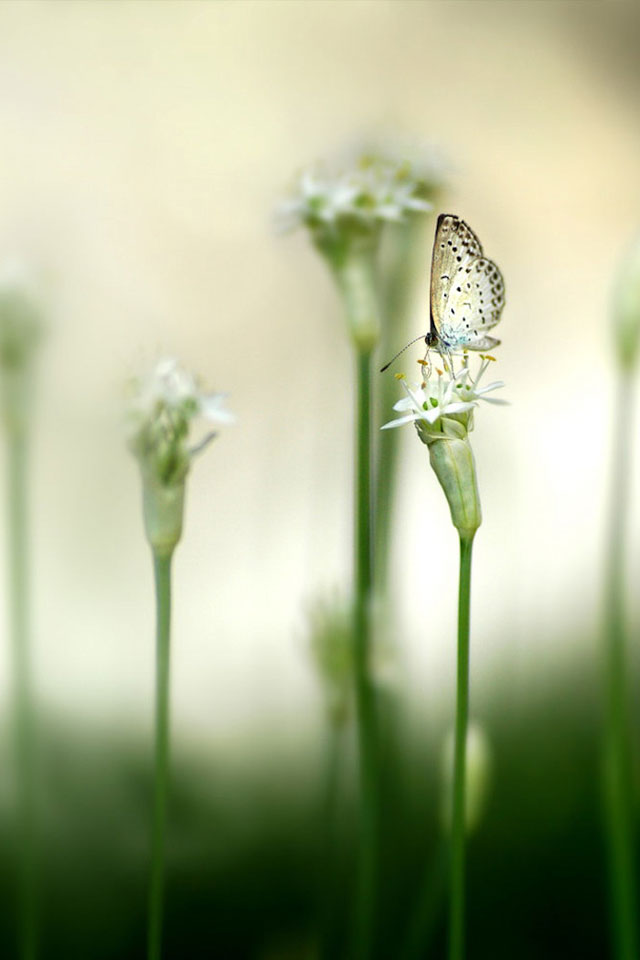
(467, 290)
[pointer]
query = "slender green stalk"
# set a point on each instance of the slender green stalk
(23, 719)
(457, 874)
(617, 765)
(162, 572)
(406, 241)
(429, 902)
(365, 694)
(329, 859)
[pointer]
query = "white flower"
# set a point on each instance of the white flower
(170, 387)
(159, 416)
(368, 192)
(426, 161)
(444, 395)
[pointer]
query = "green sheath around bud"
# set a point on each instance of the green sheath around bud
(355, 276)
(453, 463)
(627, 310)
(21, 329)
(163, 508)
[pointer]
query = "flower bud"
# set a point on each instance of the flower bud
(627, 310)
(452, 460)
(20, 334)
(356, 278)
(163, 508)
(478, 772)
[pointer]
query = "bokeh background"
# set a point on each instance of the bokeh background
(145, 146)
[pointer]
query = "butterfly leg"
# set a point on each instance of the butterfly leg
(426, 367)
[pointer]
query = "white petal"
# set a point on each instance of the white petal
(212, 407)
(400, 421)
(406, 403)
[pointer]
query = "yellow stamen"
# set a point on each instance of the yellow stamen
(400, 376)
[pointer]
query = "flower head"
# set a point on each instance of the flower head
(442, 409)
(359, 198)
(159, 420)
(162, 406)
(428, 164)
(445, 395)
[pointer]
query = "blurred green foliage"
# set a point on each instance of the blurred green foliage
(245, 848)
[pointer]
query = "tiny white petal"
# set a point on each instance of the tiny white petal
(400, 421)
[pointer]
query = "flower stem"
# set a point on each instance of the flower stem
(23, 710)
(406, 242)
(429, 902)
(162, 572)
(617, 766)
(330, 843)
(457, 874)
(365, 694)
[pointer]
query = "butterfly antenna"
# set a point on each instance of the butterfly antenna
(393, 359)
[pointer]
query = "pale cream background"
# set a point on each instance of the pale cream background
(144, 146)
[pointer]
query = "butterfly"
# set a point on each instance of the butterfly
(467, 291)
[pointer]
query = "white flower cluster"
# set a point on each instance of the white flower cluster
(160, 412)
(445, 395)
(368, 193)
(429, 165)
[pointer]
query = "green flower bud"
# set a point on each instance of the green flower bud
(478, 775)
(163, 508)
(21, 330)
(355, 272)
(331, 643)
(452, 460)
(627, 311)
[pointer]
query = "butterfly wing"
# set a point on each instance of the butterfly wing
(455, 247)
(467, 289)
(475, 303)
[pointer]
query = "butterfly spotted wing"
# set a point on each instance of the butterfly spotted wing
(467, 290)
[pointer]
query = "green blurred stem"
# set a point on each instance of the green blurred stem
(618, 780)
(365, 693)
(162, 572)
(23, 708)
(405, 242)
(429, 902)
(457, 870)
(330, 842)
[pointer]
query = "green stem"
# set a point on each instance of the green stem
(406, 241)
(162, 572)
(330, 844)
(22, 695)
(457, 875)
(365, 694)
(429, 902)
(617, 765)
